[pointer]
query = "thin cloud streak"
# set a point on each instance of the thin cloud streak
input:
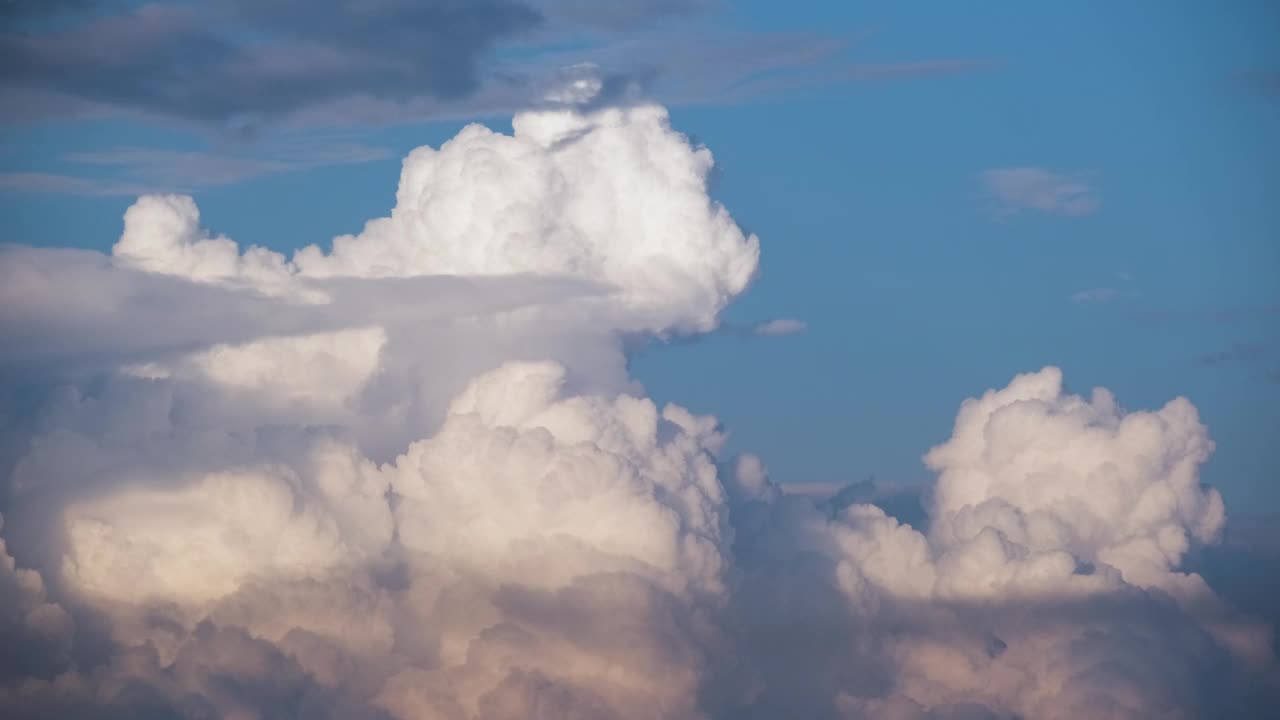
(781, 326)
(1018, 189)
(39, 182)
(1097, 295)
(140, 170)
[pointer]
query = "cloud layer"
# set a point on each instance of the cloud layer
(244, 65)
(408, 476)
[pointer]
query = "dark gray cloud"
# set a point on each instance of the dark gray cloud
(241, 65)
(249, 74)
(239, 61)
(624, 15)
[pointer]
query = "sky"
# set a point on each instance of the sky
(910, 204)
(872, 172)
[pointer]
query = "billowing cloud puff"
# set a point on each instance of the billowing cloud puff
(1053, 472)
(614, 197)
(409, 477)
(607, 506)
(37, 631)
(162, 234)
(1045, 586)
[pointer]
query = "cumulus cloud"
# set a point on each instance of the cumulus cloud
(1016, 189)
(407, 476)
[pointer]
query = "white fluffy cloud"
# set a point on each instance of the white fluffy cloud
(615, 197)
(1057, 473)
(409, 477)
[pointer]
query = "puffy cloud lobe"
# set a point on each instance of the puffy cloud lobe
(162, 234)
(37, 631)
(1046, 586)
(410, 478)
(616, 196)
(581, 473)
(1122, 489)
(609, 530)
(1076, 481)
(200, 542)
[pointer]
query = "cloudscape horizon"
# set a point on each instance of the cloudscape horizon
(418, 472)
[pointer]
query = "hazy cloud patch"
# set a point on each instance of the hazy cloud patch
(1019, 189)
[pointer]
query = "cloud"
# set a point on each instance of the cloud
(250, 74)
(1095, 295)
(242, 65)
(781, 326)
(199, 67)
(1013, 190)
(138, 170)
(622, 15)
(203, 168)
(408, 476)
(41, 182)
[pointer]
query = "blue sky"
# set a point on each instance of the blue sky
(947, 194)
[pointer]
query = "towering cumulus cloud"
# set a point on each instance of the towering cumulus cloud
(407, 476)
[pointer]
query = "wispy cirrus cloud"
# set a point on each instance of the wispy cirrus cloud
(130, 170)
(42, 182)
(1017, 189)
(1121, 286)
(1095, 295)
(780, 326)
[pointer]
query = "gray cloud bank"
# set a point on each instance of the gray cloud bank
(257, 80)
(243, 65)
(234, 61)
(406, 475)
